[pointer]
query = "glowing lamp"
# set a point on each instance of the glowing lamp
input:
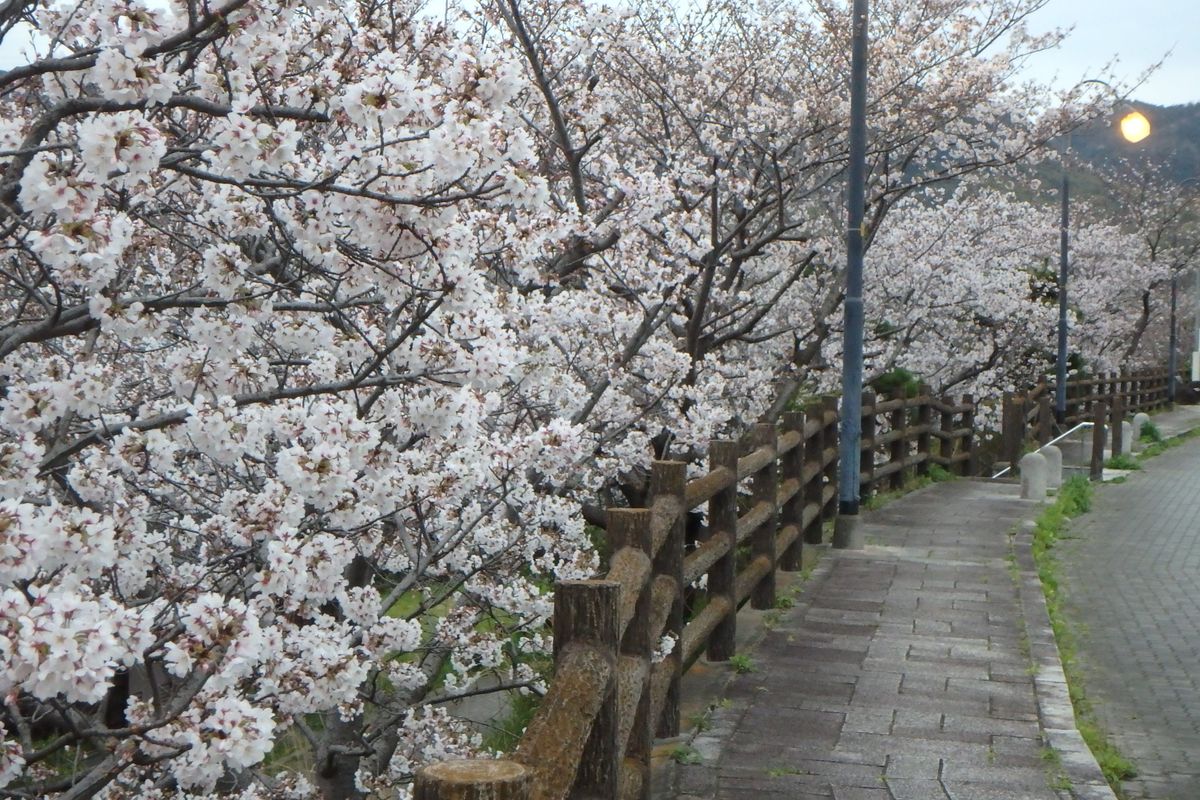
(1135, 126)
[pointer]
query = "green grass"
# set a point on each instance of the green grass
(685, 755)
(1112, 763)
(1074, 498)
(1150, 434)
(780, 772)
(503, 735)
(742, 664)
(1163, 445)
(937, 473)
(1123, 461)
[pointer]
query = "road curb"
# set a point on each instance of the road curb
(1055, 712)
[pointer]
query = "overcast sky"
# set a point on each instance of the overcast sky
(1138, 32)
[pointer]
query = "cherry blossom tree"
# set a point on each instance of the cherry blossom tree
(964, 292)
(1164, 213)
(956, 292)
(321, 321)
(268, 477)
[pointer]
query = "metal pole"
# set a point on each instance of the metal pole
(1196, 325)
(1060, 364)
(1173, 345)
(845, 535)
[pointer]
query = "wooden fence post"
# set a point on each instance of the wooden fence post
(589, 611)
(473, 779)
(791, 467)
(1118, 416)
(1045, 420)
(866, 459)
(829, 406)
(763, 489)
(669, 479)
(722, 521)
(946, 442)
(898, 449)
(925, 423)
(970, 465)
(814, 490)
(632, 527)
(1099, 417)
(1012, 429)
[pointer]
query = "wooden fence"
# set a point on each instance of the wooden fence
(1029, 417)
(898, 435)
(610, 696)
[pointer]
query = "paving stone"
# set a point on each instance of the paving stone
(859, 793)
(989, 791)
(908, 789)
(869, 720)
(922, 767)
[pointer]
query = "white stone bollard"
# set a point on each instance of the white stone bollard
(1054, 469)
(1033, 476)
(1127, 437)
(1139, 420)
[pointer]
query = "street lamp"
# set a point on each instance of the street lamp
(1196, 326)
(846, 533)
(1134, 128)
(1173, 343)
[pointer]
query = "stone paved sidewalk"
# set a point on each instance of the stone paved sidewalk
(1133, 582)
(904, 673)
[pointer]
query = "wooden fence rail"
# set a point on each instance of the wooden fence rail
(766, 498)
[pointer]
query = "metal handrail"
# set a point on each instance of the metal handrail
(1055, 440)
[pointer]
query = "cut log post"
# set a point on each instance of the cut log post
(814, 490)
(866, 458)
(669, 478)
(588, 613)
(1045, 424)
(791, 468)
(473, 779)
(1012, 433)
(763, 489)
(1099, 417)
(971, 465)
(946, 424)
(925, 423)
(830, 407)
(722, 521)
(898, 450)
(632, 528)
